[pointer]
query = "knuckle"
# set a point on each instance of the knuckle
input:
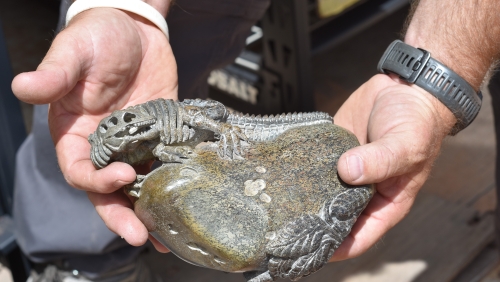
(70, 181)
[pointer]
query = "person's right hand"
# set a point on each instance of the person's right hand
(401, 128)
(105, 60)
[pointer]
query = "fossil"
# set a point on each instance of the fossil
(236, 193)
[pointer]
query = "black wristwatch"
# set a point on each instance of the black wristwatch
(417, 67)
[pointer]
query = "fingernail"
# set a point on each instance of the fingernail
(355, 167)
(119, 183)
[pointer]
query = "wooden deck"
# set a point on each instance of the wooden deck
(448, 234)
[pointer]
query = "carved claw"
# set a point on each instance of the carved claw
(134, 189)
(172, 154)
(230, 142)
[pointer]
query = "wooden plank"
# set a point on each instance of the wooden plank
(465, 170)
(493, 276)
(434, 240)
(484, 264)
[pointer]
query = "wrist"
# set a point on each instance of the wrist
(418, 67)
(446, 120)
(471, 69)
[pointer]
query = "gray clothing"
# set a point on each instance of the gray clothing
(57, 222)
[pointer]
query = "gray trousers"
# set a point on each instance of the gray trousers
(56, 222)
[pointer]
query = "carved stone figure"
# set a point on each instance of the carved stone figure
(258, 195)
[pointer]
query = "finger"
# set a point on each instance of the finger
(74, 160)
(73, 152)
(84, 176)
(58, 73)
(381, 215)
(350, 247)
(158, 246)
(116, 211)
(359, 241)
(393, 155)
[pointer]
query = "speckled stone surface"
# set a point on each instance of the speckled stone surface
(229, 214)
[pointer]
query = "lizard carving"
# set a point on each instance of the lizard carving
(302, 148)
(167, 130)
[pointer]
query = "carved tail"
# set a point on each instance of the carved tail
(266, 128)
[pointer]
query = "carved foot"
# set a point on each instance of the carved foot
(257, 276)
(172, 154)
(230, 142)
(134, 189)
(346, 207)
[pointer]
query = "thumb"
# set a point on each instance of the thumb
(384, 158)
(56, 75)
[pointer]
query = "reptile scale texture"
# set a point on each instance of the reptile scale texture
(236, 193)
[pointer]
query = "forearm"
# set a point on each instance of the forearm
(464, 35)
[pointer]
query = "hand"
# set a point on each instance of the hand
(400, 128)
(103, 61)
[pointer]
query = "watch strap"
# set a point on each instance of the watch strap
(416, 66)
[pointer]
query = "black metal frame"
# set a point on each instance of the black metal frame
(292, 34)
(286, 68)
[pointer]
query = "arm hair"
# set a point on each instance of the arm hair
(462, 34)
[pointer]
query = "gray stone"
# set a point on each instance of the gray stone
(274, 209)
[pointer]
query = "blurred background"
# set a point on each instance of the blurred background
(309, 55)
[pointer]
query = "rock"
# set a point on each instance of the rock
(281, 211)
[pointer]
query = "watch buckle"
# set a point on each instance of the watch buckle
(419, 66)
